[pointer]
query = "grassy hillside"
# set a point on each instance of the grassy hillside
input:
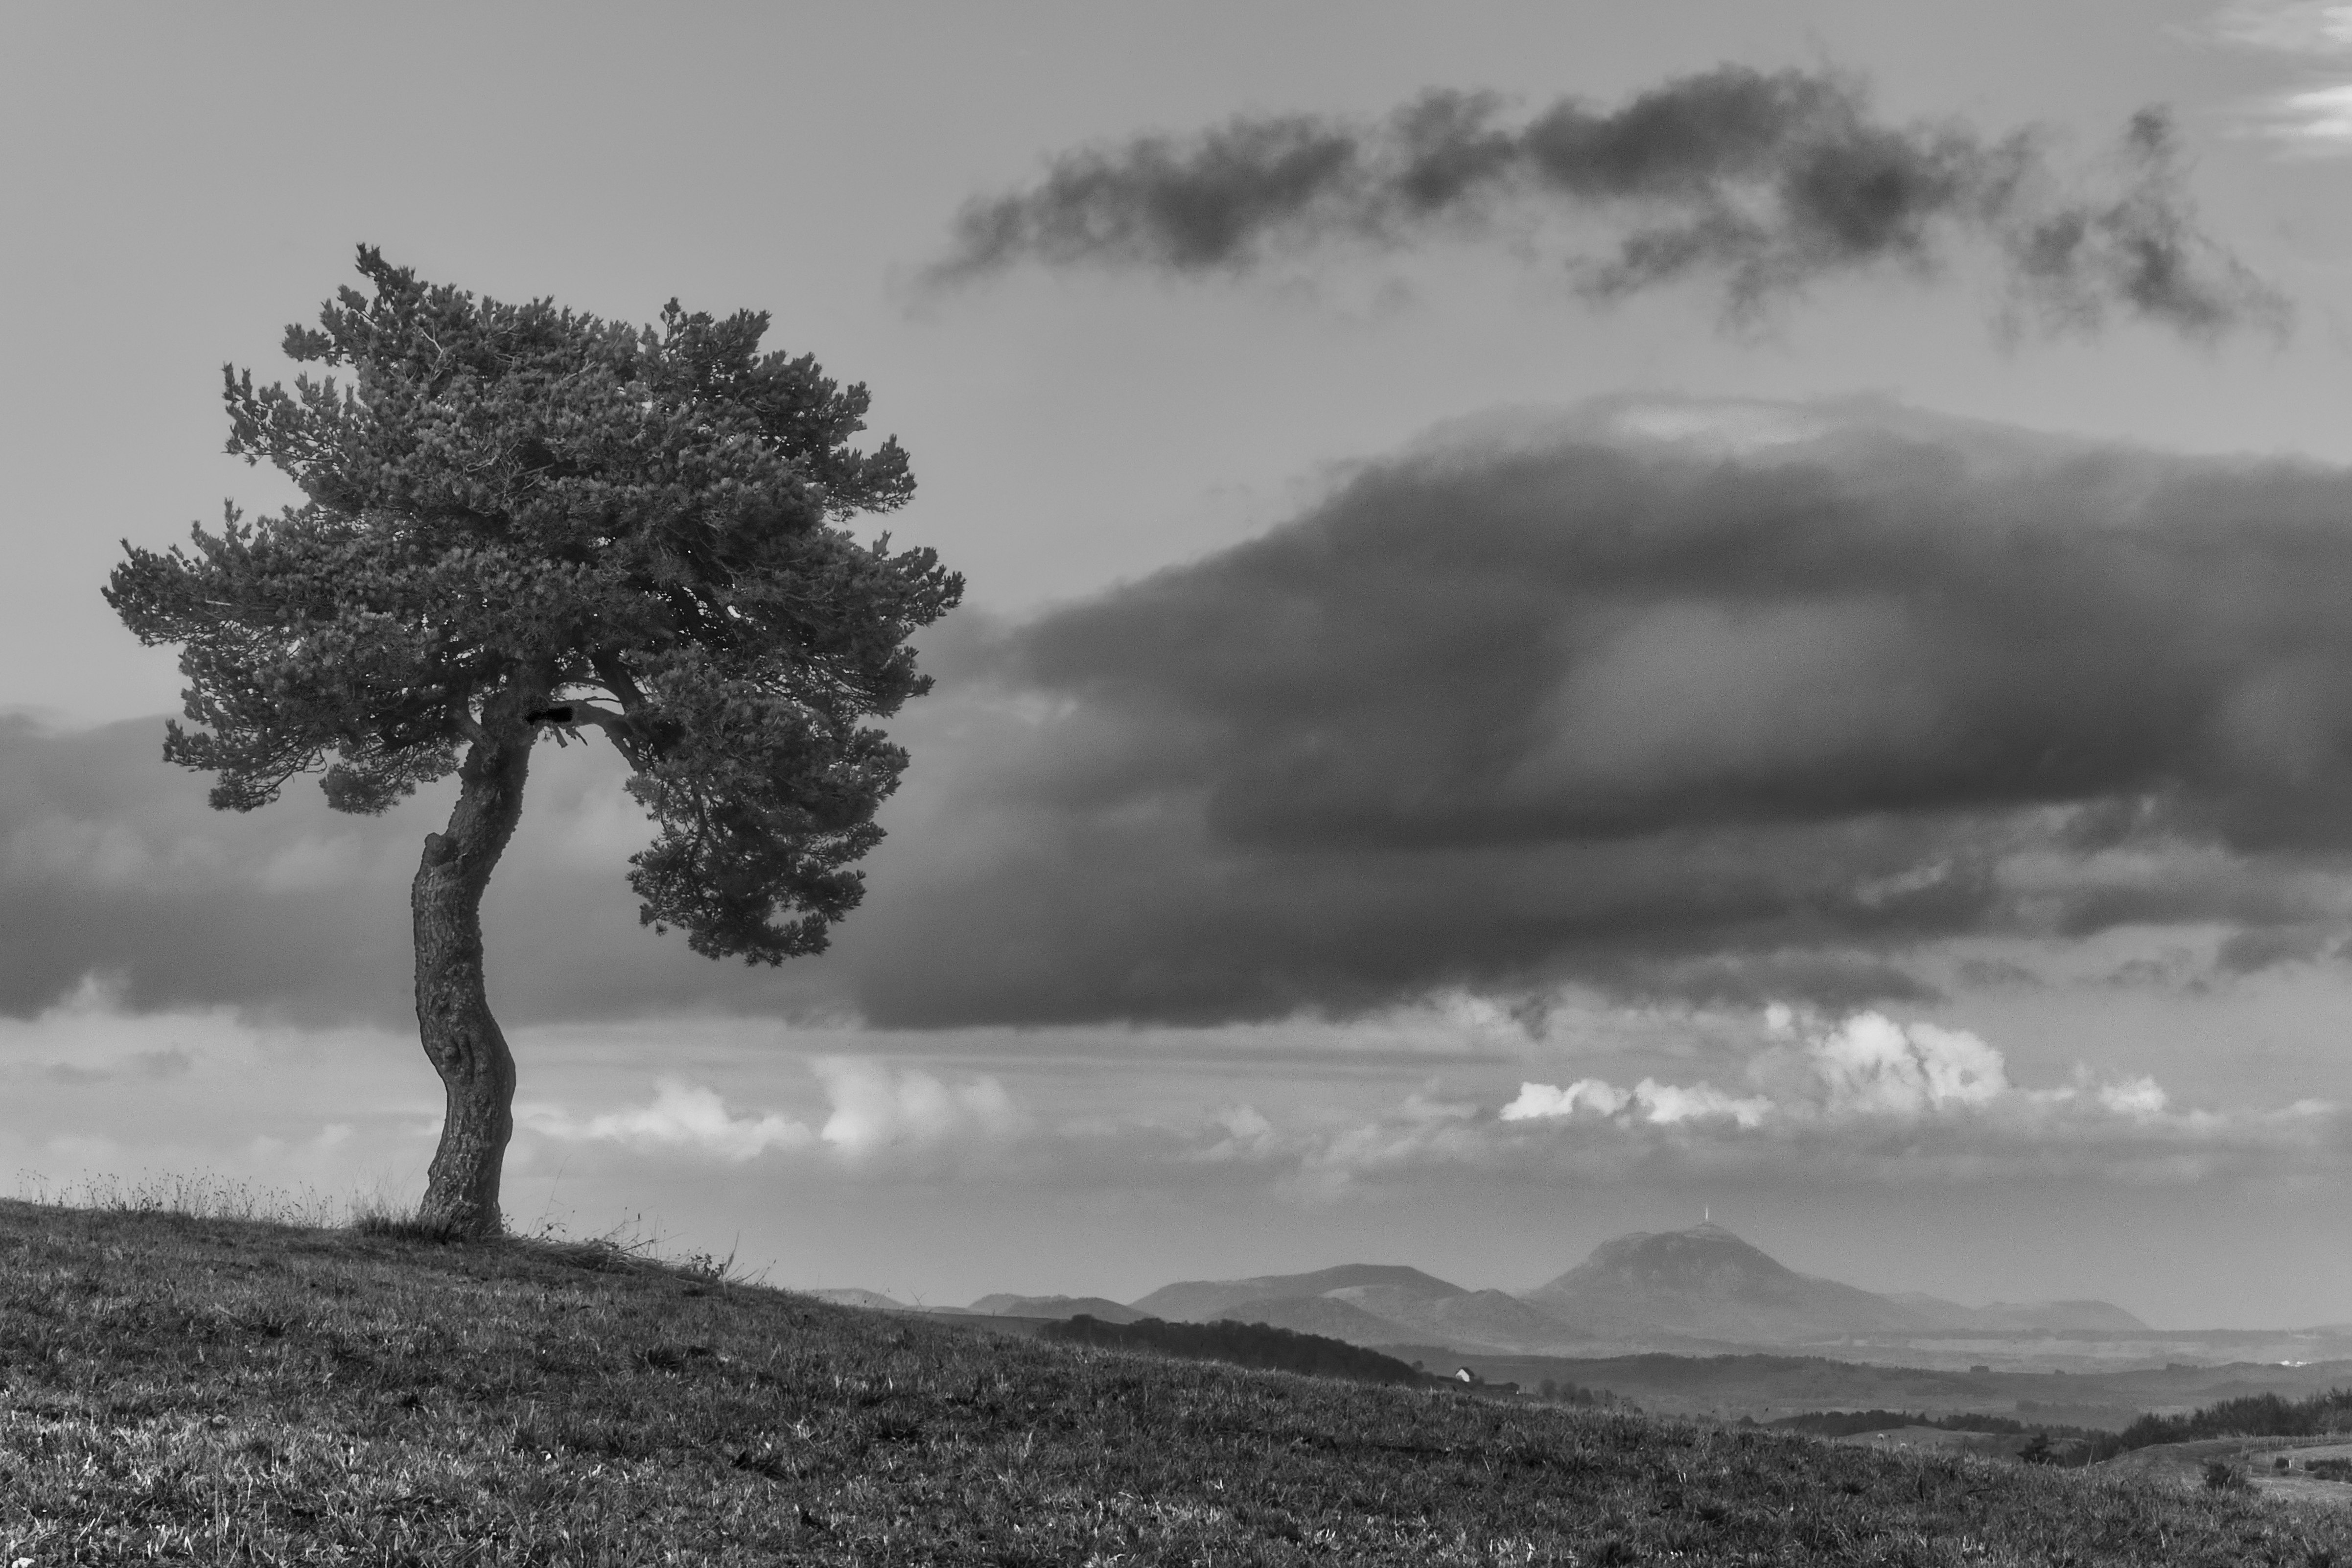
(219, 1392)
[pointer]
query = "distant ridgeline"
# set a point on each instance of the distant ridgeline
(2054, 1445)
(1244, 1344)
(2252, 1415)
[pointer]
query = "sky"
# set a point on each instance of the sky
(1578, 614)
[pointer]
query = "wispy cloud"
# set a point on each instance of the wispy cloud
(2294, 26)
(2315, 115)
(1767, 183)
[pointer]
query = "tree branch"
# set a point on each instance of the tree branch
(572, 715)
(565, 719)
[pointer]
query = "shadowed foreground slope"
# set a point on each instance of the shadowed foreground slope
(220, 1392)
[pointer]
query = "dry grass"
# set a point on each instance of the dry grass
(226, 1390)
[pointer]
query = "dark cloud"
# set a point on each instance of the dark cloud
(110, 863)
(112, 866)
(1714, 702)
(1767, 182)
(1755, 709)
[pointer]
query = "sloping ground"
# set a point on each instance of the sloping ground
(854, 1295)
(2255, 1459)
(224, 1393)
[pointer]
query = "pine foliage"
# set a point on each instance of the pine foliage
(521, 513)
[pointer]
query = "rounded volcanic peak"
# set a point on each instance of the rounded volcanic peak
(1706, 1258)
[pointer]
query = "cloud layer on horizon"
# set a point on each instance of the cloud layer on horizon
(1809, 1100)
(1765, 183)
(1857, 1098)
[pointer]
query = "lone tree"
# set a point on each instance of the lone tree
(523, 521)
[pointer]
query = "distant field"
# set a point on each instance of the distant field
(1765, 1387)
(2189, 1465)
(221, 1392)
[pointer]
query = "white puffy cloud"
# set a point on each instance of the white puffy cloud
(2140, 1096)
(877, 1109)
(1865, 1068)
(1870, 1064)
(681, 1116)
(1248, 1135)
(1661, 1104)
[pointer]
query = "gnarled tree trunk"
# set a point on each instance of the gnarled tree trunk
(453, 1011)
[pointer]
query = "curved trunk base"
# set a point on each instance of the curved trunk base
(453, 1011)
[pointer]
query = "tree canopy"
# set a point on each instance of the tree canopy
(521, 513)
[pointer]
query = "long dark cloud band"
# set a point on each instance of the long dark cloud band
(1765, 181)
(1727, 701)
(1675, 699)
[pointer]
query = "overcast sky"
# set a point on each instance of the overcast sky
(1577, 611)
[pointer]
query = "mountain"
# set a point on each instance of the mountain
(1366, 1304)
(1706, 1283)
(1101, 1308)
(1202, 1300)
(1699, 1291)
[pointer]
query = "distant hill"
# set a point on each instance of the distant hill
(1698, 1291)
(1468, 1319)
(1704, 1283)
(1101, 1308)
(1260, 1345)
(2024, 1316)
(1202, 1300)
(1325, 1317)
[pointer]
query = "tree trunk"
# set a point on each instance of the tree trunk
(453, 1010)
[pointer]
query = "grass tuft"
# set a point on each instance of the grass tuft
(202, 1195)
